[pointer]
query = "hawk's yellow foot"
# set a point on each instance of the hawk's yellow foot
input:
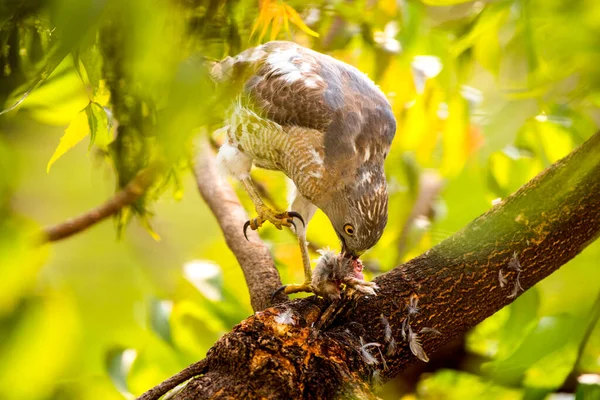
(328, 128)
(295, 288)
(279, 219)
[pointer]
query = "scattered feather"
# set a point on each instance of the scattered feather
(414, 343)
(285, 318)
(387, 336)
(376, 380)
(391, 348)
(516, 287)
(385, 367)
(433, 331)
(514, 263)
(405, 327)
(364, 352)
(501, 279)
(413, 303)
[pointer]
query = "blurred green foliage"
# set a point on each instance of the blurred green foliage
(486, 94)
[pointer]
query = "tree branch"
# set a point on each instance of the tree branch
(128, 195)
(292, 351)
(182, 376)
(253, 256)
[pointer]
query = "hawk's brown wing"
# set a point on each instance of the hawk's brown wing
(293, 85)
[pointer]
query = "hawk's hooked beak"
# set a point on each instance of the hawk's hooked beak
(346, 252)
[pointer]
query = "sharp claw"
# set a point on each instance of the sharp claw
(275, 293)
(291, 221)
(295, 214)
(246, 225)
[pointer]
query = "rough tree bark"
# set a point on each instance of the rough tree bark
(262, 278)
(311, 349)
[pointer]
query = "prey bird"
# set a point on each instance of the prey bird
(325, 125)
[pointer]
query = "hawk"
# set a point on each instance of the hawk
(325, 125)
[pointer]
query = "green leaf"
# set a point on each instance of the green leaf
(522, 319)
(550, 371)
(505, 122)
(99, 125)
(588, 387)
(551, 334)
(92, 124)
(160, 314)
(195, 327)
(119, 362)
(453, 385)
(57, 54)
(74, 19)
(88, 61)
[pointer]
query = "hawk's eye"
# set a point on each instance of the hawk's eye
(349, 229)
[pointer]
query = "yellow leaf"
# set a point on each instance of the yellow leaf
(276, 27)
(102, 94)
(265, 15)
(286, 23)
(266, 23)
(295, 19)
(75, 132)
(276, 13)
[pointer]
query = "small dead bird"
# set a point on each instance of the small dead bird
(333, 270)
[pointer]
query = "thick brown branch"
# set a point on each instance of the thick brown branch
(130, 193)
(291, 351)
(253, 256)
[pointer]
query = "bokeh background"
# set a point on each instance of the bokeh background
(486, 94)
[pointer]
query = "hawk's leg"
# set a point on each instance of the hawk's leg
(306, 209)
(279, 219)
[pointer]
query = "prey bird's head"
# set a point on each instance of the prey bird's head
(359, 210)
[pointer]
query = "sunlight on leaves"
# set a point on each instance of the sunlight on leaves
(275, 13)
(454, 385)
(550, 335)
(552, 370)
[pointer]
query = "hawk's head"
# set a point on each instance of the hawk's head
(358, 211)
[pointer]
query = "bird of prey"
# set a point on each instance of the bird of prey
(325, 125)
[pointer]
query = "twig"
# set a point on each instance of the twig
(193, 370)
(588, 331)
(253, 256)
(430, 184)
(571, 380)
(130, 193)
